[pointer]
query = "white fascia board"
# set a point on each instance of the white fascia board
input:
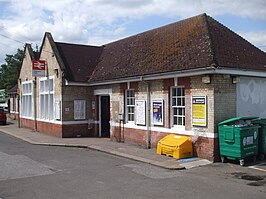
(192, 72)
(240, 72)
(69, 83)
(183, 73)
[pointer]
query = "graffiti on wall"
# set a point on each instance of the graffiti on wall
(251, 97)
(253, 91)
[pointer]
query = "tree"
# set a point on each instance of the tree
(9, 72)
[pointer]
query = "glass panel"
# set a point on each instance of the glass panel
(42, 106)
(46, 85)
(183, 101)
(175, 120)
(179, 91)
(180, 121)
(41, 86)
(51, 106)
(174, 92)
(180, 111)
(30, 88)
(175, 111)
(184, 121)
(46, 106)
(179, 102)
(51, 85)
(174, 102)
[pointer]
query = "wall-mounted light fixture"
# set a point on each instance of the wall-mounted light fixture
(206, 79)
(235, 79)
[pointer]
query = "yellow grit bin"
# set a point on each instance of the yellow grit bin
(176, 146)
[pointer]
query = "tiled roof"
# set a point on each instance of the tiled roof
(193, 43)
(79, 60)
(13, 90)
(233, 51)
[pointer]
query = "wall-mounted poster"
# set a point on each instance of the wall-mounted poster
(140, 112)
(157, 112)
(79, 109)
(199, 115)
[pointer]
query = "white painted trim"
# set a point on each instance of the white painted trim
(62, 122)
(174, 130)
(103, 92)
(69, 83)
(175, 81)
(14, 112)
(24, 117)
(228, 71)
(185, 73)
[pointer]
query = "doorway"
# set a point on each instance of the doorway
(104, 116)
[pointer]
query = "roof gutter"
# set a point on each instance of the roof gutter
(183, 73)
(69, 83)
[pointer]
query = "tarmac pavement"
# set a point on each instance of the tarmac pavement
(125, 150)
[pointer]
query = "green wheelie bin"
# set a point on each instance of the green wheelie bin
(262, 137)
(238, 139)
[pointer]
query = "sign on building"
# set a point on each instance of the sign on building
(199, 115)
(157, 112)
(38, 68)
(140, 112)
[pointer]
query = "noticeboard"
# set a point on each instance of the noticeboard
(157, 112)
(199, 115)
(140, 112)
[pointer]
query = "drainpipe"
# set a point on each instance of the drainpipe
(148, 117)
(35, 103)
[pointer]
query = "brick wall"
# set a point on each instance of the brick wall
(205, 142)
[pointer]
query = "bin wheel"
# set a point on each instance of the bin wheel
(242, 162)
(223, 159)
(261, 157)
(254, 158)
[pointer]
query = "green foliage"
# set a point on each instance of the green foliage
(9, 72)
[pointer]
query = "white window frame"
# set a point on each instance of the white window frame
(49, 115)
(182, 107)
(127, 106)
(26, 99)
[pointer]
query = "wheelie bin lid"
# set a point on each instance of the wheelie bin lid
(235, 119)
(261, 121)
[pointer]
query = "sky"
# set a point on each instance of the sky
(98, 22)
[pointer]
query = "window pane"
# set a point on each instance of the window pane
(30, 88)
(175, 120)
(51, 85)
(184, 121)
(51, 106)
(179, 91)
(46, 106)
(174, 91)
(179, 102)
(183, 101)
(180, 111)
(179, 120)
(174, 102)
(41, 86)
(175, 111)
